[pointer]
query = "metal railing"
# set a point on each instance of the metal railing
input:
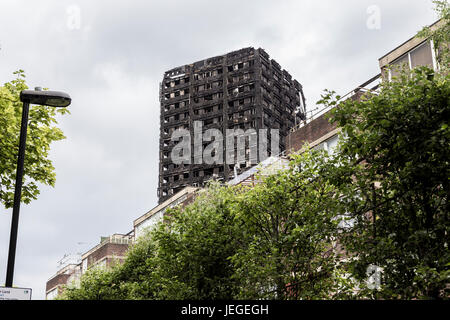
(320, 112)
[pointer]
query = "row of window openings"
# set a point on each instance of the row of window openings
(241, 89)
(195, 174)
(233, 103)
(181, 116)
(241, 102)
(176, 105)
(197, 76)
(234, 67)
(177, 93)
(275, 108)
(240, 65)
(247, 125)
(218, 84)
(206, 86)
(173, 83)
(275, 75)
(204, 172)
(177, 117)
(277, 112)
(275, 87)
(236, 116)
(237, 78)
(275, 124)
(208, 109)
(207, 74)
(212, 73)
(235, 91)
(171, 130)
(208, 97)
(244, 126)
(206, 175)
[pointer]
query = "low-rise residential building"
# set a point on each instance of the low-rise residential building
(413, 53)
(69, 274)
(155, 215)
(317, 131)
(109, 251)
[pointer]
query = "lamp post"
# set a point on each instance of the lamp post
(37, 96)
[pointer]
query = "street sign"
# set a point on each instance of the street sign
(7, 293)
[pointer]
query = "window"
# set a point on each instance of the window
(422, 55)
(402, 62)
(328, 145)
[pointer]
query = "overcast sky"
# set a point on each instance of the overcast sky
(110, 57)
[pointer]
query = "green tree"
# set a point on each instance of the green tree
(194, 247)
(290, 223)
(95, 284)
(131, 280)
(394, 171)
(441, 35)
(38, 167)
(185, 257)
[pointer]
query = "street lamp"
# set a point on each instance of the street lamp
(45, 98)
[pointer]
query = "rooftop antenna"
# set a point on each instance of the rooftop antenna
(70, 256)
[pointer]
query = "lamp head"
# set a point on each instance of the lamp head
(45, 98)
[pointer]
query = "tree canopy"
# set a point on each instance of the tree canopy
(38, 168)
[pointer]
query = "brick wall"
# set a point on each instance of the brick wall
(107, 250)
(59, 279)
(309, 133)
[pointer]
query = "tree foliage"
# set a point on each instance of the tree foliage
(397, 151)
(441, 35)
(187, 256)
(289, 223)
(42, 132)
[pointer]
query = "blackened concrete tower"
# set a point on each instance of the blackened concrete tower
(242, 89)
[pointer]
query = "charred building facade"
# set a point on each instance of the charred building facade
(243, 89)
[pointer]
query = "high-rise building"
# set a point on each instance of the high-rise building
(243, 89)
